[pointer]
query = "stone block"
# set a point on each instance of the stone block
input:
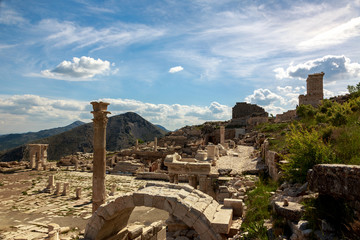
(236, 205)
(158, 202)
(293, 211)
(222, 220)
(210, 210)
(148, 200)
(134, 231)
(161, 235)
(125, 201)
(180, 210)
(169, 206)
(138, 198)
(200, 225)
(147, 233)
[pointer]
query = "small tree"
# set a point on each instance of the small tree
(353, 89)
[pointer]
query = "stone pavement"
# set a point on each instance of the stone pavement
(25, 211)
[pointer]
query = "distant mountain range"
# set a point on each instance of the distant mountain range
(122, 132)
(161, 127)
(13, 140)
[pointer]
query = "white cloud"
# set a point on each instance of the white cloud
(79, 69)
(33, 113)
(275, 103)
(334, 67)
(334, 36)
(264, 97)
(176, 69)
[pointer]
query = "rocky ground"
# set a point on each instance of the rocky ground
(25, 211)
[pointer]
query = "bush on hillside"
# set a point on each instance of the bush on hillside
(306, 149)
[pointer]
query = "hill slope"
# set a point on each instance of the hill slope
(13, 140)
(122, 131)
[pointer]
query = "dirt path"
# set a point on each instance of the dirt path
(241, 159)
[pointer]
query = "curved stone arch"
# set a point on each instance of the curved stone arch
(195, 208)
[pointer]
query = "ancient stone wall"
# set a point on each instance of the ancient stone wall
(337, 180)
(243, 109)
(314, 85)
(257, 120)
(272, 160)
(286, 116)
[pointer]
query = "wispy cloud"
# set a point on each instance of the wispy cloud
(80, 69)
(9, 16)
(61, 34)
(334, 36)
(176, 69)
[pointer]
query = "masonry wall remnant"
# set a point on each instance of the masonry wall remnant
(314, 88)
(243, 111)
(286, 116)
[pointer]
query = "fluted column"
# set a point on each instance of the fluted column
(99, 160)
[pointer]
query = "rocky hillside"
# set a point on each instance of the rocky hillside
(13, 140)
(122, 131)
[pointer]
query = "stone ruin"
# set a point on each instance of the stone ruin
(38, 156)
(285, 117)
(246, 114)
(314, 89)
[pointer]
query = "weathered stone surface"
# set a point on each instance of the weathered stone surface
(236, 205)
(222, 220)
(337, 180)
(193, 207)
(293, 211)
(135, 230)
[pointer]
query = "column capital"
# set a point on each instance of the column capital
(100, 112)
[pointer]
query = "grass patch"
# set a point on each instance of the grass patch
(258, 204)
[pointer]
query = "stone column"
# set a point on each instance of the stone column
(176, 178)
(113, 189)
(78, 193)
(32, 157)
(66, 189)
(222, 135)
(171, 177)
(155, 144)
(76, 164)
(137, 144)
(99, 160)
(193, 181)
(202, 183)
(211, 152)
(50, 185)
(43, 154)
(57, 190)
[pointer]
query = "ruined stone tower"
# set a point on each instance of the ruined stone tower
(315, 93)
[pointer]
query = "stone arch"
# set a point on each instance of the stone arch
(195, 208)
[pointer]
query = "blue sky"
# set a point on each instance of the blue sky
(175, 63)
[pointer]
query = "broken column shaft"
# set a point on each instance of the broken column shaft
(99, 160)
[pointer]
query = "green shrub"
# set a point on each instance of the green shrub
(305, 111)
(346, 144)
(258, 204)
(306, 148)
